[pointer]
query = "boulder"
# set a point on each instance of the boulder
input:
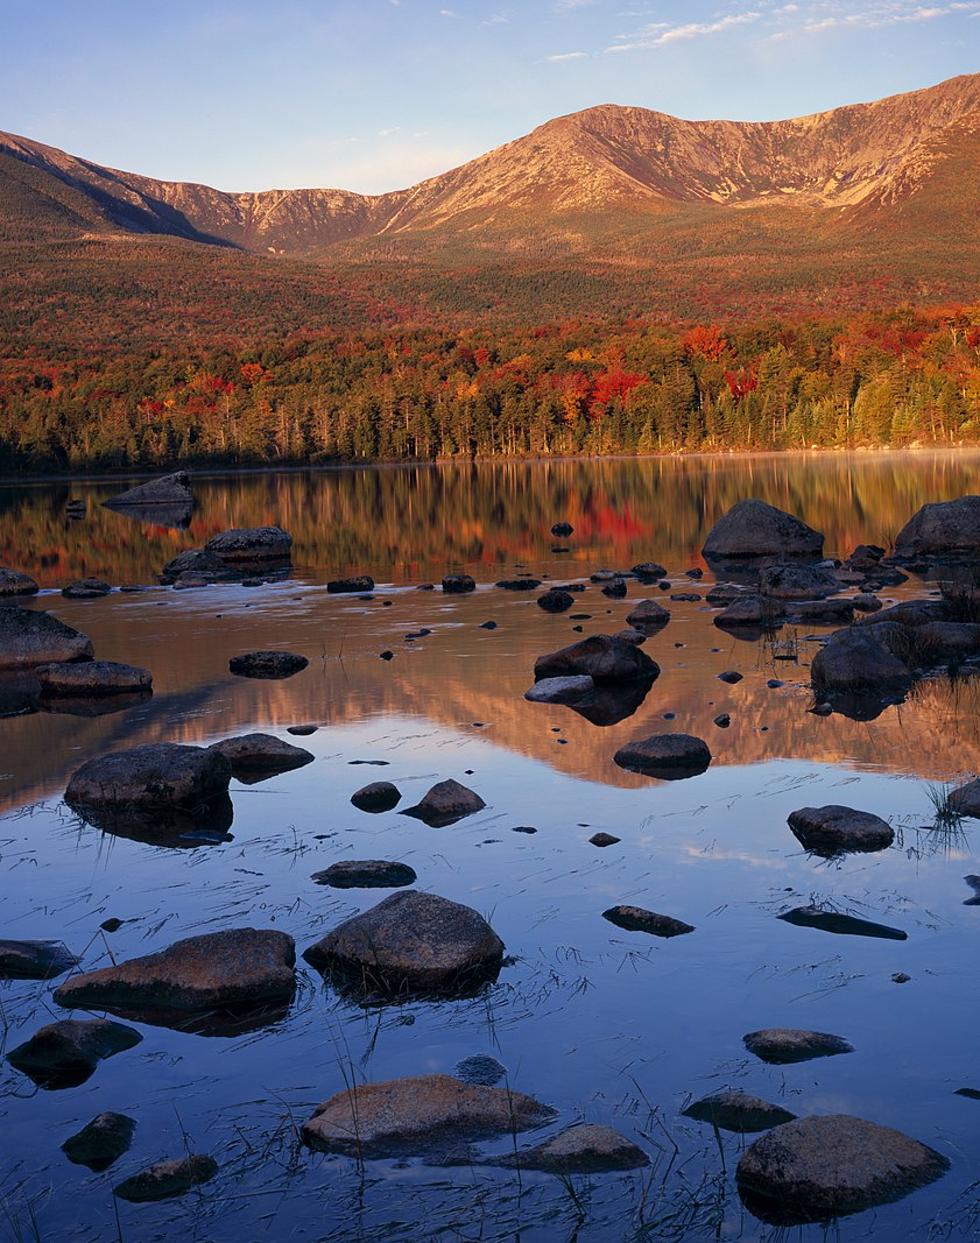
(556, 600)
(724, 594)
(100, 1142)
(797, 582)
(66, 1053)
(164, 492)
(942, 529)
(13, 583)
(602, 657)
(403, 1117)
(458, 584)
(195, 561)
(239, 970)
(835, 830)
(816, 1169)
(29, 638)
(781, 1046)
(965, 799)
(581, 1149)
(410, 943)
(376, 797)
(86, 589)
(93, 678)
(631, 635)
(349, 586)
(820, 612)
(857, 659)
(603, 840)
(909, 613)
(165, 1179)
(519, 584)
(734, 1110)
(445, 803)
(668, 756)
(866, 602)
(255, 756)
(34, 960)
(267, 664)
(251, 544)
(751, 528)
(615, 590)
(751, 612)
(156, 775)
(947, 640)
(649, 569)
(636, 919)
(648, 614)
(366, 874)
(568, 690)
(815, 916)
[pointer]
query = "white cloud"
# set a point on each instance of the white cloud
(559, 56)
(659, 34)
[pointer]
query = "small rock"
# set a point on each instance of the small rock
(254, 756)
(649, 569)
(29, 638)
(519, 584)
(865, 602)
(445, 803)
(603, 839)
(267, 664)
(555, 601)
(562, 529)
(64, 1054)
(734, 1110)
(667, 756)
(488, 625)
(835, 829)
(92, 677)
(843, 925)
(580, 1149)
(458, 584)
(166, 1179)
(302, 731)
(366, 874)
(723, 720)
(155, 775)
(86, 589)
(797, 582)
(601, 657)
(378, 796)
(251, 544)
(731, 676)
(481, 1069)
(900, 978)
(636, 919)
(350, 586)
(100, 1142)
(34, 960)
(648, 614)
(616, 590)
(569, 690)
(784, 1045)
(13, 583)
(387, 654)
(166, 490)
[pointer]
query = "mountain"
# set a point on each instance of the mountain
(598, 204)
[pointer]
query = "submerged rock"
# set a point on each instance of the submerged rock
(34, 960)
(404, 1117)
(64, 1054)
(445, 803)
(93, 678)
(255, 756)
(942, 529)
(267, 664)
(458, 584)
(636, 919)
(376, 797)
(251, 544)
(14, 583)
(100, 1142)
(752, 528)
(366, 874)
(519, 584)
(844, 925)
(29, 638)
(156, 775)
(668, 756)
(781, 1046)
(581, 1149)
(240, 969)
(351, 586)
(734, 1110)
(602, 657)
(834, 830)
(815, 1169)
(165, 1179)
(410, 943)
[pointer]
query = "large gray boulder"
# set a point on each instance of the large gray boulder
(237, 968)
(403, 1117)
(858, 660)
(752, 528)
(164, 492)
(815, 1169)
(156, 775)
(942, 529)
(835, 830)
(14, 583)
(602, 657)
(250, 544)
(411, 943)
(29, 638)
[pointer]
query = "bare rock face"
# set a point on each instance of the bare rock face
(942, 529)
(378, 796)
(637, 919)
(648, 615)
(783, 1045)
(734, 1110)
(236, 970)
(100, 1142)
(965, 800)
(670, 757)
(34, 960)
(410, 1116)
(251, 544)
(447, 802)
(166, 491)
(797, 582)
(267, 664)
(410, 943)
(66, 1053)
(254, 757)
(156, 775)
(751, 528)
(602, 657)
(581, 1149)
(29, 638)
(93, 677)
(13, 583)
(834, 830)
(814, 1169)
(165, 1179)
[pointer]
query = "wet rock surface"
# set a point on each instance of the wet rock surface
(601, 657)
(668, 756)
(738, 1111)
(648, 615)
(14, 583)
(417, 1115)
(942, 529)
(29, 638)
(92, 677)
(255, 756)
(366, 874)
(156, 775)
(376, 797)
(637, 919)
(582, 1149)
(101, 1142)
(458, 584)
(813, 1169)
(65, 1053)
(34, 960)
(835, 829)
(797, 582)
(840, 923)
(87, 589)
(166, 1179)
(445, 803)
(753, 528)
(247, 545)
(556, 601)
(267, 664)
(165, 491)
(781, 1046)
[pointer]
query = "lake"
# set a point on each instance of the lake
(605, 1025)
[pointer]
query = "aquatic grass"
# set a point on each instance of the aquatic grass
(945, 816)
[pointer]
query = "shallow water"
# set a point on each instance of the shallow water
(606, 1025)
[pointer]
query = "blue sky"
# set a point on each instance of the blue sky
(376, 94)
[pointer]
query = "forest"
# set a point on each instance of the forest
(899, 377)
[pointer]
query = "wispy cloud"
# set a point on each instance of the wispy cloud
(833, 15)
(559, 56)
(659, 34)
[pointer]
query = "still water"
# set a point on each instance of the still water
(605, 1025)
